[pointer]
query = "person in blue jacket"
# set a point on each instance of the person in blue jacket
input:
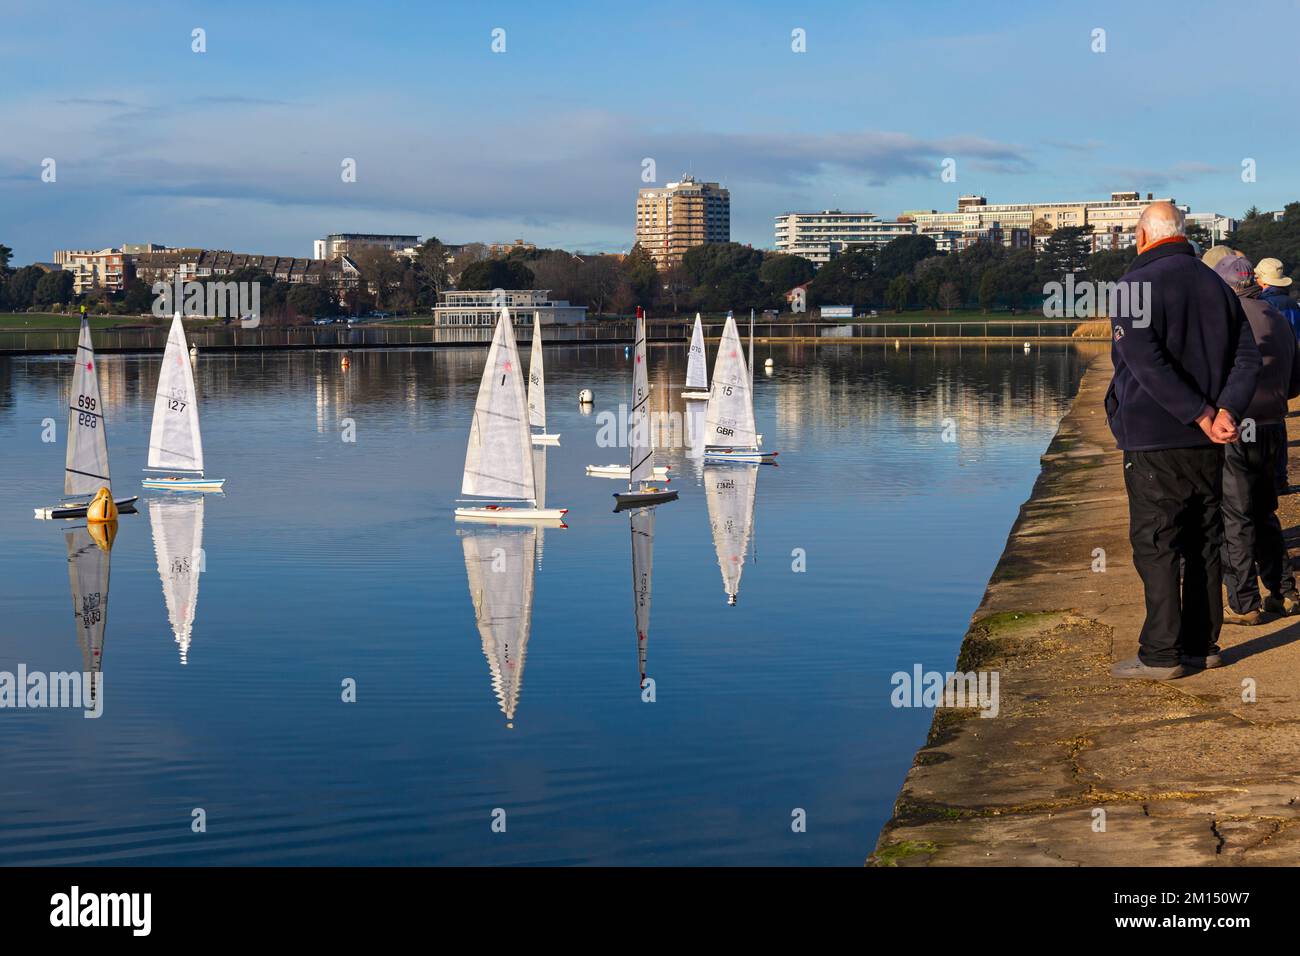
(1186, 365)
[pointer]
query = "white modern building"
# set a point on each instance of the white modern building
(1216, 225)
(349, 243)
(483, 308)
(818, 236)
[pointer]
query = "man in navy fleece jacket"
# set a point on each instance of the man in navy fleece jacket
(1185, 370)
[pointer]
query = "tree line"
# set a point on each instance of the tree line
(908, 272)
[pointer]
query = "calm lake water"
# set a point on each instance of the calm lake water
(329, 559)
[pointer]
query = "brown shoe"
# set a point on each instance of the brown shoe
(1249, 619)
(1284, 606)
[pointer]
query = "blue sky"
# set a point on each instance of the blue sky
(240, 147)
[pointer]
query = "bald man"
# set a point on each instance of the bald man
(1185, 371)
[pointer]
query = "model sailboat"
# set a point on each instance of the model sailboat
(175, 443)
(498, 459)
(697, 375)
(178, 545)
(500, 569)
(640, 437)
(729, 433)
(85, 468)
(537, 388)
(729, 494)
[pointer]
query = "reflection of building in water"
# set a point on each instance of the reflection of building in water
(986, 390)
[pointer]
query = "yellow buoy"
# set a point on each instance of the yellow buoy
(102, 507)
(103, 532)
(345, 363)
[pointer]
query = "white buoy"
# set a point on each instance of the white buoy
(1026, 346)
(585, 397)
(895, 345)
(769, 363)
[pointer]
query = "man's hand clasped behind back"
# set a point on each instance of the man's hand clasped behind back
(1220, 427)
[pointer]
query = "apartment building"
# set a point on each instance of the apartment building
(1113, 220)
(678, 216)
(349, 243)
(94, 268)
(818, 236)
(335, 275)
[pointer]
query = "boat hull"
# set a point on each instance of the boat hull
(503, 513)
(640, 499)
(184, 484)
(622, 471)
(546, 439)
(696, 396)
(744, 456)
(125, 506)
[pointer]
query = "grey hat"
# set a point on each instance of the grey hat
(1236, 270)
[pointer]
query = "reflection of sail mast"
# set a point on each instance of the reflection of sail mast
(88, 567)
(642, 522)
(499, 564)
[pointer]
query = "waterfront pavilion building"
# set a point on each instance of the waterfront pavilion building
(482, 308)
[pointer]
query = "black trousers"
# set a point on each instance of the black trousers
(1280, 461)
(1253, 547)
(1176, 529)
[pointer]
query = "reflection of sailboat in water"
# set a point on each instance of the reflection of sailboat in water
(499, 563)
(89, 550)
(729, 492)
(178, 544)
(643, 548)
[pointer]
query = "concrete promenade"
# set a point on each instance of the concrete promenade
(1079, 768)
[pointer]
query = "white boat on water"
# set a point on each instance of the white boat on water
(697, 373)
(175, 443)
(641, 451)
(729, 433)
(625, 472)
(537, 388)
(498, 458)
(85, 468)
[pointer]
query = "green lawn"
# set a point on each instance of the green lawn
(48, 320)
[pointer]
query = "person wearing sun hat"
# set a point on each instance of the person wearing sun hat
(1253, 547)
(1215, 253)
(1273, 283)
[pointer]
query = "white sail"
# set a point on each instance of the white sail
(729, 418)
(498, 463)
(178, 545)
(174, 440)
(537, 379)
(729, 493)
(697, 375)
(88, 567)
(641, 445)
(86, 465)
(499, 565)
(642, 522)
